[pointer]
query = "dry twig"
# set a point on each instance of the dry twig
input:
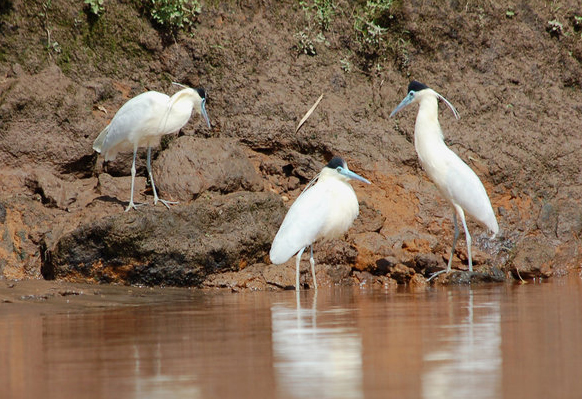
(308, 114)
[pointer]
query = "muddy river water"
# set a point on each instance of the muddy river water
(489, 341)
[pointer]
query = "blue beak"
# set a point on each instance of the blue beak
(351, 175)
(407, 100)
(203, 112)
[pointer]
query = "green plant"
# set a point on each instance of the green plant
(346, 65)
(555, 28)
(173, 14)
(95, 7)
(44, 16)
(305, 44)
(322, 11)
(371, 22)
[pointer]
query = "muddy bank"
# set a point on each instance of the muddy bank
(41, 296)
(514, 77)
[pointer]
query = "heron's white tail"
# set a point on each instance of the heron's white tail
(98, 143)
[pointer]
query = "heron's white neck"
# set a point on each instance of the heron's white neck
(427, 128)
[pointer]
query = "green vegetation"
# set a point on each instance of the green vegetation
(95, 7)
(51, 45)
(372, 20)
(555, 28)
(173, 14)
(369, 27)
(346, 65)
(304, 43)
(321, 11)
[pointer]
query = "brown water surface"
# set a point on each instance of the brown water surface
(493, 341)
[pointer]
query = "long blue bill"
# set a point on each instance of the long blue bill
(348, 173)
(407, 100)
(204, 114)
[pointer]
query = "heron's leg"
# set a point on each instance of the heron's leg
(312, 261)
(156, 198)
(455, 237)
(467, 237)
(151, 176)
(131, 203)
(297, 268)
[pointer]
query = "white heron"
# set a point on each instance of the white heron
(325, 209)
(143, 120)
(454, 178)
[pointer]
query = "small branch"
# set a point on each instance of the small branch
(308, 114)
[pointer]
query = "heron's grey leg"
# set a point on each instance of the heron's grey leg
(467, 237)
(151, 176)
(131, 204)
(297, 268)
(455, 237)
(312, 261)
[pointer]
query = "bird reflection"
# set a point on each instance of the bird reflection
(316, 354)
(467, 362)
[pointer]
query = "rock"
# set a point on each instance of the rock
(59, 193)
(47, 121)
(180, 247)
(334, 252)
(369, 219)
(118, 188)
(275, 277)
(335, 274)
(192, 165)
(429, 262)
(463, 277)
(280, 276)
(2, 213)
(371, 247)
(533, 258)
(548, 220)
(366, 279)
(24, 221)
(417, 282)
(401, 273)
(252, 278)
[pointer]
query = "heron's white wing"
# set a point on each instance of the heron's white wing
(136, 119)
(465, 189)
(302, 224)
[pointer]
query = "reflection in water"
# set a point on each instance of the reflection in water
(155, 383)
(316, 360)
(494, 341)
(466, 360)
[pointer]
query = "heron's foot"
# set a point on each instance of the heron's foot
(166, 203)
(437, 273)
(133, 205)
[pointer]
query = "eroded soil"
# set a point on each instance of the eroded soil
(514, 77)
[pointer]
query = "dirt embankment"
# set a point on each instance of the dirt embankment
(513, 72)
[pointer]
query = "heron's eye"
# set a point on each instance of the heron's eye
(339, 169)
